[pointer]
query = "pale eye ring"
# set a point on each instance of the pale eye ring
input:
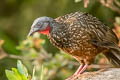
(39, 23)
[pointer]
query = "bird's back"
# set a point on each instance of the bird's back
(85, 22)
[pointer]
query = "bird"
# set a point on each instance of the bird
(81, 35)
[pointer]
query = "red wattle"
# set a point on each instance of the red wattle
(46, 31)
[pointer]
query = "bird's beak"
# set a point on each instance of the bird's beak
(32, 31)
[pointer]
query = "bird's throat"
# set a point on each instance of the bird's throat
(46, 31)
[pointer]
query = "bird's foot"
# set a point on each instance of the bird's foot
(80, 70)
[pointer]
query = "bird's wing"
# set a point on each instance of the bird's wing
(104, 44)
(101, 34)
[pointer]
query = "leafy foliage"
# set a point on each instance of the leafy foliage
(20, 73)
(47, 66)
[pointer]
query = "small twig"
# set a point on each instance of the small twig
(97, 66)
(2, 54)
(117, 2)
(109, 4)
(86, 2)
(14, 56)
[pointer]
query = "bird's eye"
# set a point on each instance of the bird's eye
(39, 24)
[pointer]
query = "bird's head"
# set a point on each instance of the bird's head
(42, 25)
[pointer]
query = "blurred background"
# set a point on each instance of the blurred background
(16, 18)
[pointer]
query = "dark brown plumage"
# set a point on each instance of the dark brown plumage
(83, 36)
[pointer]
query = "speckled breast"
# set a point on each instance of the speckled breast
(75, 42)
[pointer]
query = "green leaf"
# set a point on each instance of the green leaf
(22, 69)
(41, 73)
(10, 75)
(17, 73)
(33, 75)
(24, 77)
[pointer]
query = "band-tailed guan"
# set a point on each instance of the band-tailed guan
(81, 35)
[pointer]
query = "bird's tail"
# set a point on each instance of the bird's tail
(113, 56)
